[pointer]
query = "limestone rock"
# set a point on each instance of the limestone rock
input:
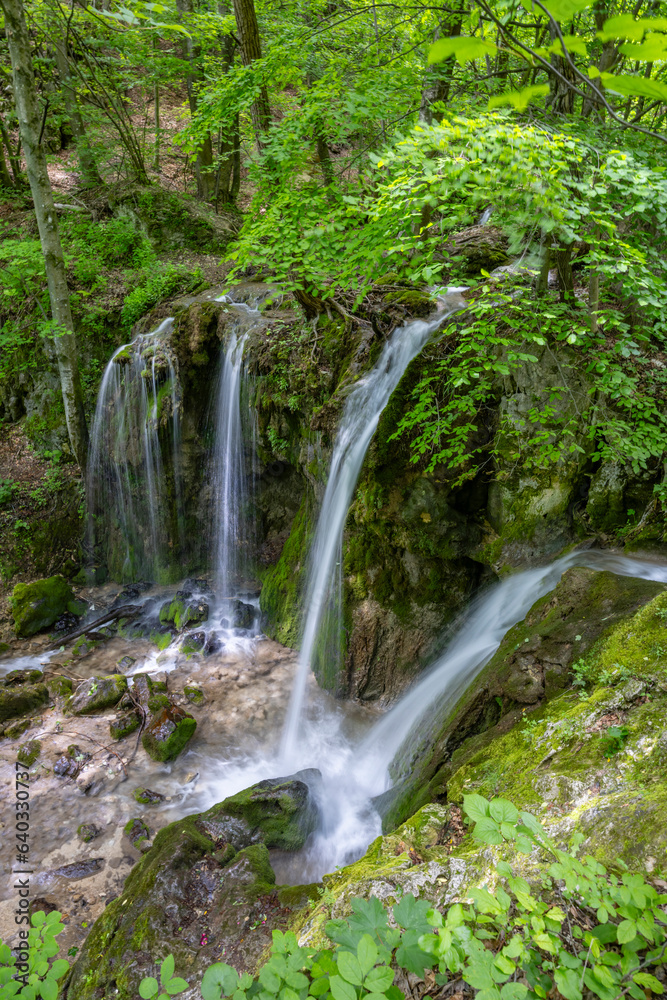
(168, 733)
(29, 752)
(36, 606)
(17, 697)
(96, 694)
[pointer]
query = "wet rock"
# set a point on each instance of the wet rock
(15, 729)
(183, 612)
(96, 694)
(196, 585)
(28, 753)
(66, 623)
(168, 733)
(36, 606)
(60, 689)
(15, 677)
(213, 643)
(146, 797)
(125, 663)
(91, 781)
(136, 832)
(87, 832)
(158, 701)
(130, 593)
(239, 614)
(70, 764)
(193, 642)
(18, 698)
(280, 812)
(142, 689)
(79, 869)
(123, 725)
(194, 695)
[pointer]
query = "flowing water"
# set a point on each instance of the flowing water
(135, 484)
(360, 418)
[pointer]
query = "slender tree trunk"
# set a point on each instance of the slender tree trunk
(251, 49)
(560, 99)
(90, 175)
(25, 97)
(5, 179)
(204, 164)
(156, 117)
(438, 78)
(14, 161)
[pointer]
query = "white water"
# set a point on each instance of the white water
(229, 470)
(127, 491)
(360, 418)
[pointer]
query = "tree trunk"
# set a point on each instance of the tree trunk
(438, 78)
(90, 176)
(251, 49)
(560, 99)
(25, 97)
(204, 164)
(14, 161)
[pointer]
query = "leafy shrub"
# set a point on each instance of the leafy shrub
(34, 975)
(585, 929)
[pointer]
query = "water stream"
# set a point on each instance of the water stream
(134, 483)
(359, 420)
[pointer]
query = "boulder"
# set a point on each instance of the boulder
(123, 725)
(96, 694)
(17, 698)
(197, 896)
(183, 611)
(28, 753)
(168, 733)
(36, 606)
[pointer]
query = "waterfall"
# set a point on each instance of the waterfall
(392, 742)
(229, 470)
(134, 487)
(358, 423)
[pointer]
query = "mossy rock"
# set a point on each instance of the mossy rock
(136, 832)
(87, 832)
(168, 733)
(124, 725)
(279, 811)
(18, 700)
(158, 701)
(152, 916)
(60, 688)
(15, 729)
(36, 606)
(418, 305)
(182, 611)
(96, 694)
(532, 664)
(194, 695)
(145, 797)
(28, 753)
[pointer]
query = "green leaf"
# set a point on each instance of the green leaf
(503, 811)
(562, 10)
(269, 979)
(379, 980)
(220, 980)
(567, 981)
(513, 991)
(652, 50)
(340, 989)
(626, 931)
(649, 981)
(486, 830)
(39, 918)
(319, 986)
(635, 86)
(626, 26)
(476, 807)
(367, 954)
(167, 969)
(461, 46)
(175, 986)
(48, 989)
(349, 968)
(148, 988)
(412, 914)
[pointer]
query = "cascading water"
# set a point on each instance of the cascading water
(360, 418)
(229, 473)
(134, 481)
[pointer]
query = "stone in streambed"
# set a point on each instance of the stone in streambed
(123, 725)
(137, 833)
(29, 752)
(36, 606)
(87, 832)
(194, 694)
(183, 611)
(17, 698)
(146, 797)
(168, 733)
(96, 694)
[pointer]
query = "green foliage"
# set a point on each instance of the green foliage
(172, 985)
(585, 928)
(613, 739)
(8, 490)
(34, 974)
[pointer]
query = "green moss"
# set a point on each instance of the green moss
(168, 734)
(124, 725)
(259, 862)
(87, 832)
(29, 752)
(158, 701)
(19, 700)
(96, 694)
(282, 586)
(136, 832)
(194, 695)
(162, 639)
(418, 304)
(59, 687)
(36, 606)
(281, 811)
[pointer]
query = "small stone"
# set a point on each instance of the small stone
(125, 662)
(194, 695)
(123, 725)
(29, 752)
(87, 832)
(136, 832)
(168, 733)
(59, 688)
(146, 797)
(16, 729)
(193, 642)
